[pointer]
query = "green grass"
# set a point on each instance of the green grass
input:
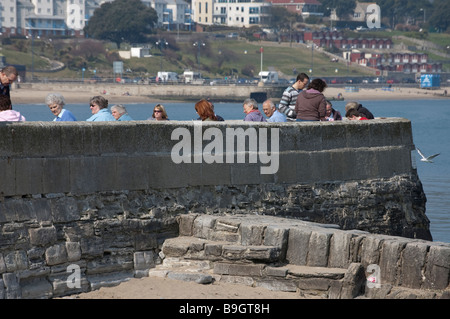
(218, 58)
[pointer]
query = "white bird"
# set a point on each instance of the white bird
(427, 159)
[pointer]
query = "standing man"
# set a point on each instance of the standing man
(7, 76)
(287, 103)
(273, 115)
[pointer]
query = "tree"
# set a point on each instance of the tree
(121, 21)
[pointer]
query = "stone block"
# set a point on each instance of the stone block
(354, 281)
(318, 249)
(29, 175)
(16, 260)
(238, 269)
(213, 249)
(298, 245)
(276, 271)
(390, 259)
(38, 288)
(56, 254)
(91, 246)
(195, 277)
(73, 251)
(12, 286)
(233, 252)
(186, 224)
(42, 236)
(56, 175)
(203, 226)
(144, 260)
(252, 234)
(7, 176)
(437, 270)
(412, 264)
(340, 244)
(263, 253)
(276, 284)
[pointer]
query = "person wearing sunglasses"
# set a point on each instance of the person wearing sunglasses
(7, 76)
(159, 113)
(99, 109)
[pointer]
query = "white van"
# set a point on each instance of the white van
(268, 76)
(168, 76)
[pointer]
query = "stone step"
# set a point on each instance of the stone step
(202, 249)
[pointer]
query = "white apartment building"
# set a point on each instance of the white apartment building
(232, 13)
(69, 17)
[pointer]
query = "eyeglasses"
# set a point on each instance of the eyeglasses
(92, 105)
(156, 111)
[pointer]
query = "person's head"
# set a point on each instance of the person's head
(8, 75)
(159, 112)
(55, 102)
(268, 108)
(351, 105)
(97, 103)
(329, 108)
(5, 103)
(317, 84)
(205, 110)
(118, 110)
(249, 105)
(301, 81)
(352, 114)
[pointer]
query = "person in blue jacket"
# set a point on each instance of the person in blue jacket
(99, 109)
(120, 113)
(55, 102)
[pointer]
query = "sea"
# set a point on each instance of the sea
(430, 126)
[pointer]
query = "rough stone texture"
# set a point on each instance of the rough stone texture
(75, 195)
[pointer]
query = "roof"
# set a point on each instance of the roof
(292, 2)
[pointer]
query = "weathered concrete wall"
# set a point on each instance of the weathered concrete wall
(104, 196)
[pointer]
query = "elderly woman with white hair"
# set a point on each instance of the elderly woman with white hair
(120, 113)
(55, 102)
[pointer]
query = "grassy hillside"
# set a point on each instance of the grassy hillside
(217, 58)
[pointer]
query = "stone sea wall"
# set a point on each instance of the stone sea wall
(98, 200)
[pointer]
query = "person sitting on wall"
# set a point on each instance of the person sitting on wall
(205, 111)
(273, 115)
(99, 109)
(361, 109)
(159, 113)
(251, 110)
(55, 102)
(332, 114)
(7, 77)
(353, 115)
(120, 113)
(7, 114)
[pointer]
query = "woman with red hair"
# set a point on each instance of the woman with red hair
(205, 110)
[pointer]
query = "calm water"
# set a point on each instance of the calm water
(430, 133)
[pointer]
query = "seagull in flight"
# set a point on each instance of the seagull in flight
(427, 159)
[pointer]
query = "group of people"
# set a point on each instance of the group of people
(302, 101)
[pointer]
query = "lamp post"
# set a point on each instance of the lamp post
(161, 44)
(198, 44)
(424, 15)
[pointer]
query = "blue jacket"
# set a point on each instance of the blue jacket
(102, 115)
(277, 117)
(125, 117)
(64, 116)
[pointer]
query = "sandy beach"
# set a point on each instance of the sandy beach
(32, 96)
